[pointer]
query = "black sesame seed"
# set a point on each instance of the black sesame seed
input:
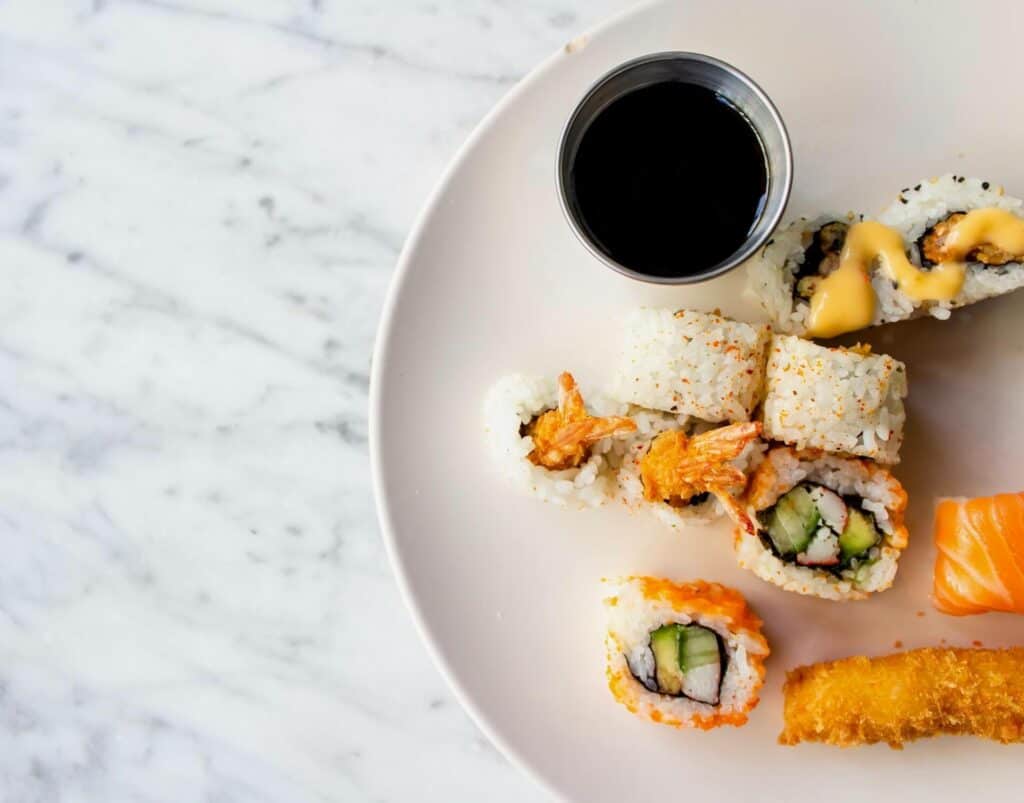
(905, 189)
(984, 185)
(917, 187)
(960, 180)
(895, 286)
(903, 200)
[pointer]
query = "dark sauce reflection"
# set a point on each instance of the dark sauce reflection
(669, 179)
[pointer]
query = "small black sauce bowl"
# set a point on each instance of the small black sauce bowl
(713, 74)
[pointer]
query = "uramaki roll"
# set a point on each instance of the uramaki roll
(694, 363)
(825, 526)
(544, 438)
(845, 401)
(690, 655)
(950, 219)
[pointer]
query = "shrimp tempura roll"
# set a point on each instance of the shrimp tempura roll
(688, 472)
(907, 696)
(690, 655)
(545, 438)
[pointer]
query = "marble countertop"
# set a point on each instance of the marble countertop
(202, 203)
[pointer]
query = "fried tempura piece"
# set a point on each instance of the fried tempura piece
(677, 468)
(562, 437)
(934, 246)
(907, 696)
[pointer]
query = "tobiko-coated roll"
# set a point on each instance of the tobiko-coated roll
(690, 655)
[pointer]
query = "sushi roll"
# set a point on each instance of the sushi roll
(688, 472)
(840, 400)
(907, 696)
(674, 512)
(958, 219)
(690, 655)
(825, 526)
(784, 274)
(544, 439)
(943, 244)
(691, 363)
(979, 561)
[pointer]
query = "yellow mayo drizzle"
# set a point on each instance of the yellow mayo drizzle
(845, 300)
(993, 226)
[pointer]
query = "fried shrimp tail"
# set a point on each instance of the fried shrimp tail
(562, 438)
(724, 443)
(679, 467)
(907, 696)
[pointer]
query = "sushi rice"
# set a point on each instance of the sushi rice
(918, 208)
(692, 363)
(772, 272)
(882, 495)
(636, 606)
(838, 400)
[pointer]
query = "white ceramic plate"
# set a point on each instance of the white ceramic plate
(506, 589)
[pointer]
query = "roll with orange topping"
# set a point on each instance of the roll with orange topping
(825, 526)
(690, 655)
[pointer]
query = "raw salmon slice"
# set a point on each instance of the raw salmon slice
(979, 565)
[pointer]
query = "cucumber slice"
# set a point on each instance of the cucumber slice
(698, 647)
(667, 671)
(687, 662)
(793, 521)
(700, 658)
(860, 534)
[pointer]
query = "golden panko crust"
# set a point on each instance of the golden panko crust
(906, 696)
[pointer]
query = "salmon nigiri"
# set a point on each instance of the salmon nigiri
(980, 561)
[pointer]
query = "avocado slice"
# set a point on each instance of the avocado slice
(793, 521)
(859, 535)
(665, 646)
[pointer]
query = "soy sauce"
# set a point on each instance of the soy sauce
(669, 179)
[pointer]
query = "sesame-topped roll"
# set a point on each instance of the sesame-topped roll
(695, 363)
(845, 401)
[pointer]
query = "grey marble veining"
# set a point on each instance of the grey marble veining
(201, 204)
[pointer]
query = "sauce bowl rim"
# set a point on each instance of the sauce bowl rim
(775, 211)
